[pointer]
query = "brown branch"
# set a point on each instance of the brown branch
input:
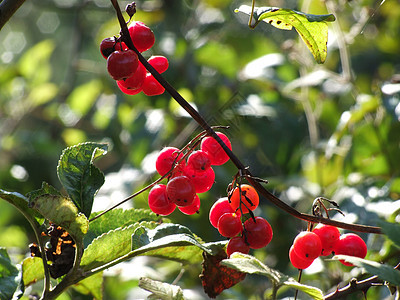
(7, 9)
(239, 165)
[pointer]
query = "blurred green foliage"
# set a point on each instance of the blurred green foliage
(312, 130)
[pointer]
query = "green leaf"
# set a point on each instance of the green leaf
(251, 265)
(117, 218)
(82, 98)
(80, 178)
(383, 271)
(110, 246)
(92, 285)
(392, 231)
(161, 290)
(63, 212)
(10, 278)
(313, 29)
(32, 270)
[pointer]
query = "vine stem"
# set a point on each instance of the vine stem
(239, 165)
(7, 9)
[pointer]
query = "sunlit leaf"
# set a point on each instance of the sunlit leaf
(43, 93)
(313, 29)
(32, 270)
(383, 271)
(79, 176)
(251, 265)
(161, 290)
(82, 97)
(92, 285)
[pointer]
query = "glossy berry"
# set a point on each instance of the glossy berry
(217, 154)
(202, 181)
(166, 159)
(297, 261)
(258, 233)
(199, 161)
(159, 62)
(181, 191)
(328, 235)
(122, 64)
(237, 244)
(350, 244)
(158, 201)
(151, 87)
(135, 81)
(128, 91)
(192, 208)
(141, 35)
(220, 207)
(229, 225)
(307, 245)
(247, 195)
(107, 46)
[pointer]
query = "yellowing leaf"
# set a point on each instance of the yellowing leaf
(313, 29)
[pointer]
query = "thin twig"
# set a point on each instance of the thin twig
(7, 9)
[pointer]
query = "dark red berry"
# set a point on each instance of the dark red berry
(158, 201)
(350, 244)
(229, 225)
(213, 148)
(328, 235)
(237, 244)
(141, 35)
(122, 64)
(181, 191)
(151, 87)
(259, 233)
(307, 245)
(299, 262)
(107, 46)
(159, 62)
(199, 161)
(135, 81)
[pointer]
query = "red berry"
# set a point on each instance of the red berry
(237, 244)
(202, 181)
(307, 245)
(350, 244)
(166, 159)
(151, 87)
(258, 233)
(247, 195)
(107, 46)
(297, 261)
(135, 81)
(128, 91)
(328, 235)
(217, 154)
(158, 201)
(192, 208)
(142, 36)
(159, 62)
(181, 191)
(220, 207)
(199, 161)
(122, 64)
(229, 225)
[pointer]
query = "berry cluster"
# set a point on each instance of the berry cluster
(123, 64)
(225, 215)
(188, 174)
(322, 241)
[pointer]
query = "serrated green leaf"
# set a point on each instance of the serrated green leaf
(10, 278)
(61, 211)
(161, 290)
(313, 29)
(80, 178)
(110, 246)
(117, 218)
(32, 270)
(92, 285)
(392, 231)
(383, 271)
(249, 264)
